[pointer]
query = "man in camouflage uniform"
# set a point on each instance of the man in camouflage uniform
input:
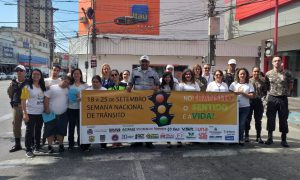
(256, 104)
(143, 78)
(14, 92)
(230, 72)
(279, 84)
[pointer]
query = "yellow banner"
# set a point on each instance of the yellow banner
(149, 107)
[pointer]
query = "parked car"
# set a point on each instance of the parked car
(3, 76)
(12, 75)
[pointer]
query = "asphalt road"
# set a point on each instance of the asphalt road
(199, 161)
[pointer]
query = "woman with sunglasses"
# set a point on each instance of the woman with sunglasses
(32, 100)
(77, 84)
(118, 86)
(105, 76)
(245, 91)
(217, 85)
(197, 69)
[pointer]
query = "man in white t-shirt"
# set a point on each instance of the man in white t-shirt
(54, 79)
(206, 73)
(56, 101)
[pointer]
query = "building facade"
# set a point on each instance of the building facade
(253, 24)
(19, 47)
(36, 16)
(170, 33)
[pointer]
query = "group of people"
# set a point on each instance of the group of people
(36, 99)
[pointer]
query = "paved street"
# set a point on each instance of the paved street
(198, 161)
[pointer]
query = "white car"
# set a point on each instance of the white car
(12, 75)
(3, 76)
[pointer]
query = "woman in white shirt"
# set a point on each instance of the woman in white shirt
(32, 100)
(217, 85)
(188, 81)
(76, 86)
(125, 76)
(245, 91)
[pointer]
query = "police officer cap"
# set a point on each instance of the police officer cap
(232, 61)
(144, 57)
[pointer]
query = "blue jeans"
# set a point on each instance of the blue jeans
(243, 114)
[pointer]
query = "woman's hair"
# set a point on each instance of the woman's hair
(195, 66)
(237, 79)
(192, 75)
(41, 81)
(72, 73)
(163, 82)
(97, 77)
(219, 71)
(105, 64)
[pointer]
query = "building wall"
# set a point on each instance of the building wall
(125, 62)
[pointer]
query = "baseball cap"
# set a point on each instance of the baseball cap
(170, 66)
(232, 61)
(20, 67)
(144, 57)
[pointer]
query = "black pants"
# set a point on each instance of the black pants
(73, 119)
(277, 104)
(33, 131)
(256, 107)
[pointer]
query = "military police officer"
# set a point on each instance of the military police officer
(14, 92)
(230, 72)
(143, 78)
(279, 84)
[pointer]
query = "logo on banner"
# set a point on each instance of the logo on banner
(227, 132)
(102, 138)
(91, 138)
(229, 138)
(89, 131)
(115, 137)
(114, 130)
(215, 137)
(187, 129)
(166, 136)
(140, 136)
(127, 136)
(128, 129)
(152, 136)
(215, 132)
(179, 136)
(191, 135)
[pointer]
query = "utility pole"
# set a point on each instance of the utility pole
(212, 38)
(94, 36)
(276, 28)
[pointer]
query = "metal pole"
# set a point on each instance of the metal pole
(276, 28)
(29, 60)
(87, 49)
(212, 38)
(94, 36)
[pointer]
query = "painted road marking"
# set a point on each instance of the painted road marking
(6, 117)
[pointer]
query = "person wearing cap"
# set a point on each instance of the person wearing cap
(170, 68)
(143, 78)
(14, 92)
(230, 72)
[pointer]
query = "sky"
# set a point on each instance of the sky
(64, 30)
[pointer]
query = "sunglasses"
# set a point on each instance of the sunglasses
(19, 70)
(114, 74)
(95, 82)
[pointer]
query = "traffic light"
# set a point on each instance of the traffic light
(269, 48)
(161, 108)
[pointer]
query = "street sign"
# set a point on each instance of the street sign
(93, 61)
